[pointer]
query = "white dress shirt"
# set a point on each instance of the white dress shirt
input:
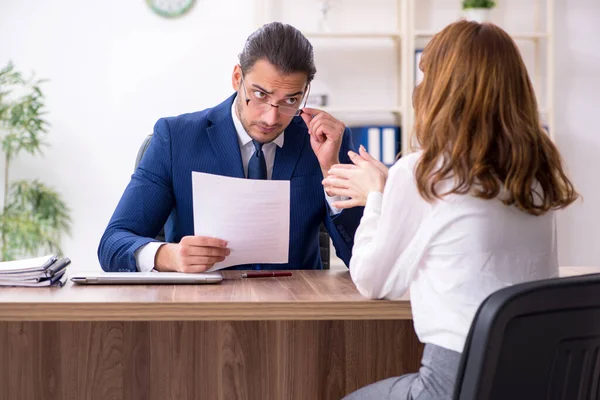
(145, 256)
(451, 253)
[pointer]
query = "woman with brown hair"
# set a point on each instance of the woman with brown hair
(470, 211)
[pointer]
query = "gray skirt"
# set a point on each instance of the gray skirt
(435, 379)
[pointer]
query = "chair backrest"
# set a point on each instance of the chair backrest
(142, 150)
(161, 235)
(537, 340)
(324, 246)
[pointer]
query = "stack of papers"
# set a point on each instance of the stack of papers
(34, 272)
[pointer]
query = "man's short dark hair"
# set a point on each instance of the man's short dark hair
(283, 46)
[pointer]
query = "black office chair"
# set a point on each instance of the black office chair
(323, 234)
(538, 340)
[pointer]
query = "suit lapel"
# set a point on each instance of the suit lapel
(287, 156)
(224, 140)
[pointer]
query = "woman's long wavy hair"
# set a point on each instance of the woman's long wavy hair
(477, 122)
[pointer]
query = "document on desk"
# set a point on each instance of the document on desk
(253, 216)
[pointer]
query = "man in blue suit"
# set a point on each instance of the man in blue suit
(260, 132)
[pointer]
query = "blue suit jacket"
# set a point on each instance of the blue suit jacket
(206, 141)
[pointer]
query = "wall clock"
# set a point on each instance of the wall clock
(170, 8)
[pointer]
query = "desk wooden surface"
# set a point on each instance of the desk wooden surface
(307, 295)
(309, 336)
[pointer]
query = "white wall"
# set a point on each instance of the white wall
(115, 68)
(577, 103)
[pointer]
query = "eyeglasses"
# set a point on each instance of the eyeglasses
(262, 104)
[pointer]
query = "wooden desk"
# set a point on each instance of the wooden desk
(309, 336)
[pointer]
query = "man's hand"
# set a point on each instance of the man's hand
(326, 134)
(191, 254)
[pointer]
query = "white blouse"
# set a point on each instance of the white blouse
(451, 253)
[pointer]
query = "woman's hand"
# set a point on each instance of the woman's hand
(378, 164)
(356, 180)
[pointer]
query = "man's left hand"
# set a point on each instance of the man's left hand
(326, 134)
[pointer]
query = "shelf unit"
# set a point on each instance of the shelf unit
(405, 36)
(353, 35)
(516, 35)
(537, 36)
(396, 36)
(357, 109)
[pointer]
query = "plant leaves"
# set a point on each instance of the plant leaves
(22, 127)
(34, 218)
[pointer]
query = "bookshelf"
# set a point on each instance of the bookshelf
(354, 35)
(515, 35)
(360, 109)
(537, 42)
(388, 39)
(407, 35)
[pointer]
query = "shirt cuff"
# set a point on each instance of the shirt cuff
(145, 256)
(373, 205)
(332, 199)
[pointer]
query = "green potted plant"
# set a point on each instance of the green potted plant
(33, 217)
(478, 10)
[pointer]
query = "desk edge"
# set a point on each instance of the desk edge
(193, 311)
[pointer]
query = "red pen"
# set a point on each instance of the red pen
(265, 274)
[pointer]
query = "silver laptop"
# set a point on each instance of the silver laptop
(145, 278)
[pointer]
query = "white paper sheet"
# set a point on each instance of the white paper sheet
(253, 216)
(27, 265)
